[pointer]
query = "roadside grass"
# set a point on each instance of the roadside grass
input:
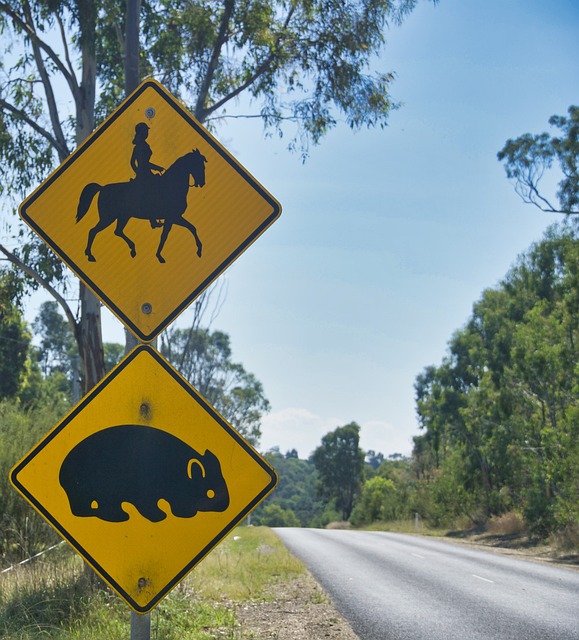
(406, 526)
(243, 566)
(52, 599)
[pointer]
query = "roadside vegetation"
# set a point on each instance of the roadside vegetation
(498, 453)
(51, 597)
(499, 419)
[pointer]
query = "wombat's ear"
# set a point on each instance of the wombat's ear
(190, 466)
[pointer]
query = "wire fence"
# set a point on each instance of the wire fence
(37, 555)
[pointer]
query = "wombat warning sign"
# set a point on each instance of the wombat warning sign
(143, 478)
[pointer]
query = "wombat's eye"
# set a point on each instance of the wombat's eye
(211, 493)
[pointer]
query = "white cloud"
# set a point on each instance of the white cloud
(301, 429)
(384, 438)
(295, 428)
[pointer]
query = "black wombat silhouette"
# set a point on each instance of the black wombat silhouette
(141, 465)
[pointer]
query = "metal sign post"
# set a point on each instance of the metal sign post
(140, 622)
(140, 626)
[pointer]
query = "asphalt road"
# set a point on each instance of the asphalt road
(403, 587)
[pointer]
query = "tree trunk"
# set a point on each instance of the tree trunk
(89, 339)
(132, 46)
(88, 331)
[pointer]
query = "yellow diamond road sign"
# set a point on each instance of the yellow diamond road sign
(143, 478)
(149, 210)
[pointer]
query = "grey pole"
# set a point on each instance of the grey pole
(140, 623)
(140, 626)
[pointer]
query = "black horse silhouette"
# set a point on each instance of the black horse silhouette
(164, 198)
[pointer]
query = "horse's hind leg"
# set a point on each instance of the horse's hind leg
(166, 228)
(185, 223)
(121, 224)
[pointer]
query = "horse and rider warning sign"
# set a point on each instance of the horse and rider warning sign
(149, 210)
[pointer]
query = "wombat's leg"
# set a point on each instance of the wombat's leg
(183, 510)
(111, 513)
(151, 511)
(81, 509)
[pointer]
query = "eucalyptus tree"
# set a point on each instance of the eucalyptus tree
(501, 413)
(528, 157)
(303, 65)
(339, 462)
(57, 348)
(204, 358)
(14, 340)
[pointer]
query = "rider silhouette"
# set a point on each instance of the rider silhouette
(141, 162)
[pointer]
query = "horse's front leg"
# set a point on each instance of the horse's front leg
(185, 223)
(119, 231)
(99, 226)
(166, 228)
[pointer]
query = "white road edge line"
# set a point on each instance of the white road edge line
(485, 579)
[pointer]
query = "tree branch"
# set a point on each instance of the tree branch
(248, 116)
(200, 111)
(532, 196)
(50, 99)
(73, 83)
(261, 69)
(43, 45)
(43, 283)
(242, 87)
(34, 125)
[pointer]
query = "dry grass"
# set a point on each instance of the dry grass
(567, 539)
(243, 565)
(339, 524)
(507, 524)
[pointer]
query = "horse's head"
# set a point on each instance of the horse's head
(197, 167)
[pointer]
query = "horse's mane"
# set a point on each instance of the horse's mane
(180, 161)
(177, 165)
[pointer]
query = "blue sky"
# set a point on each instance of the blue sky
(388, 237)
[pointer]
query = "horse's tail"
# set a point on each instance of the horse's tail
(86, 197)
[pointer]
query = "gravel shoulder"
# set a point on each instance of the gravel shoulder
(296, 610)
(518, 546)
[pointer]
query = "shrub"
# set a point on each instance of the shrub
(274, 516)
(23, 531)
(510, 523)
